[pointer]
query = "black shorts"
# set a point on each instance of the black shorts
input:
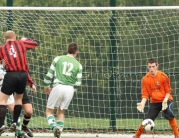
(25, 99)
(155, 109)
(15, 81)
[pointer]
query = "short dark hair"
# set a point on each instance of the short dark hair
(152, 60)
(72, 48)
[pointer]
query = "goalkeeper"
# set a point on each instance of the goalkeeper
(156, 85)
(67, 74)
(26, 104)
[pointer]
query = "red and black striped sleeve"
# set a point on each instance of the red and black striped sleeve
(30, 81)
(29, 43)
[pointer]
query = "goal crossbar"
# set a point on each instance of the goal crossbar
(91, 8)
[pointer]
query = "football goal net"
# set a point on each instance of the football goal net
(114, 45)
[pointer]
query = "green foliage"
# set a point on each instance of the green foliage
(90, 3)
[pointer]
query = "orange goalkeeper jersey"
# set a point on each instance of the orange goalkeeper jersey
(156, 87)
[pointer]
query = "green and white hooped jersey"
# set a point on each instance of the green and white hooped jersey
(2, 73)
(64, 70)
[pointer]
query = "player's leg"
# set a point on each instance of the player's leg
(60, 96)
(153, 112)
(50, 118)
(21, 80)
(169, 115)
(51, 103)
(54, 100)
(18, 133)
(26, 119)
(27, 106)
(7, 89)
(9, 118)
(3, 100)
(10, 105)
(17, 110)
(60, 121)
(67, 92)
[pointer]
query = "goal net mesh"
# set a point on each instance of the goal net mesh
(139, 35)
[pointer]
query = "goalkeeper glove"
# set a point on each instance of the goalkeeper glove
(164, 104)
(141, 105)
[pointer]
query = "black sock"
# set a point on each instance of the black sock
(26, 120)
(17, 112)
(2, 114)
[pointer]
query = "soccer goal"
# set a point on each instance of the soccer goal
(114, 45)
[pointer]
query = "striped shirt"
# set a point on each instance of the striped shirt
(2, 73)
(14, 53)
(64, 70)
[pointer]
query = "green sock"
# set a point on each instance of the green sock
(9, 118)
(60, 124)
(18, 132)
(51, 121)
(18, 127)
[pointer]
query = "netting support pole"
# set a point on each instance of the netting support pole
(9, 3)
(113, 58)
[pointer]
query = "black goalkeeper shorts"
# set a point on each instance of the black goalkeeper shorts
(155, 109)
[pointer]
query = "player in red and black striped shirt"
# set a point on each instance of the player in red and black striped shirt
(14, 53)
(15, 80)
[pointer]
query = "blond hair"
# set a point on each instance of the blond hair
(9, 35)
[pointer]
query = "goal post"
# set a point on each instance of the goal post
(140, 33)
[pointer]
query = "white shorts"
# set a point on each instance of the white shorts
(60, 96)
(10, 100)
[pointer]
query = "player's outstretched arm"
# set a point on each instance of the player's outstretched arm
(29, 43)
(141, 105)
